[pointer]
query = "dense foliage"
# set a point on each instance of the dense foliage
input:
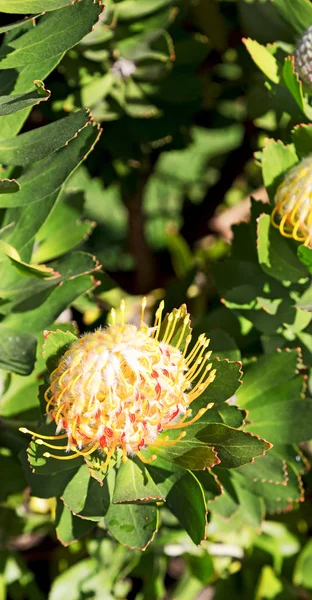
(131, 138)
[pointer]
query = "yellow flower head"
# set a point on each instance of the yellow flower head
(116, 389)
(293, 203)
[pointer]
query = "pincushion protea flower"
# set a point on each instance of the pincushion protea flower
(115, 390)
(293, 203)
(303, 57)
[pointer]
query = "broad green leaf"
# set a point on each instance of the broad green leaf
(223, 345)
(303, 569)
(137, 9)
(301, 137)
(40, 271)
(18, 350)
(134, 483)
(69, 583)
(184, 497)
(271, 469)
(188, 453)
(43, 465)
(263, 59)
(20, 393)
(210, 484)
(46, 176)
(54, 238)
(234, 447)
(76, 491)
(15, 102)
(305, 301)
(224, 386)
(40, 318)
(305, 256)
(277, 497)
(293, 82)
(276, 256)
(298, 13)
(45, 486)
(35, 145)
(55, 345)
(68, 527)
(97, 501)
(20, 294)
(54, 33)
(29, 219)
(9, 186)
(21, 81)
(17, 24)
(30, 6)
(266, 373)
(227, 414)
(276, 160)
(282, 416)
(133, 525)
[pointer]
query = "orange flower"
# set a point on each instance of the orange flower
(293, 203)
(116, 389)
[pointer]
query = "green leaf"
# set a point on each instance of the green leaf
(301, 137)
(137, 9)
(263, 59)
(45, 486)
(276, 256)
(271, 469)
(267, 372)
(283, 416)
(188, 453)
(44, 465)
(30, 6)
(223, 345)
(18, 24)
(276, 160)
(54, 33)
(76, 491)
(303, 569)
(54, 238)
(18, 352)
(23, 81)
(234, 448)
(9, 186)
(15, 102)
(305, 256)
(298, 13)
(35, 145)
(40, 318)
(21, 294)
(39, 271)
(134, 483)
(133, 525)
(97, 501)
(55, 345)
(70, 528)
(184, 497)
(46, 176)
(293, 82)
(224, 386)
(210, 484)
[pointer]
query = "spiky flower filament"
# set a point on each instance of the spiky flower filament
(118, 388)
(292, 213)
